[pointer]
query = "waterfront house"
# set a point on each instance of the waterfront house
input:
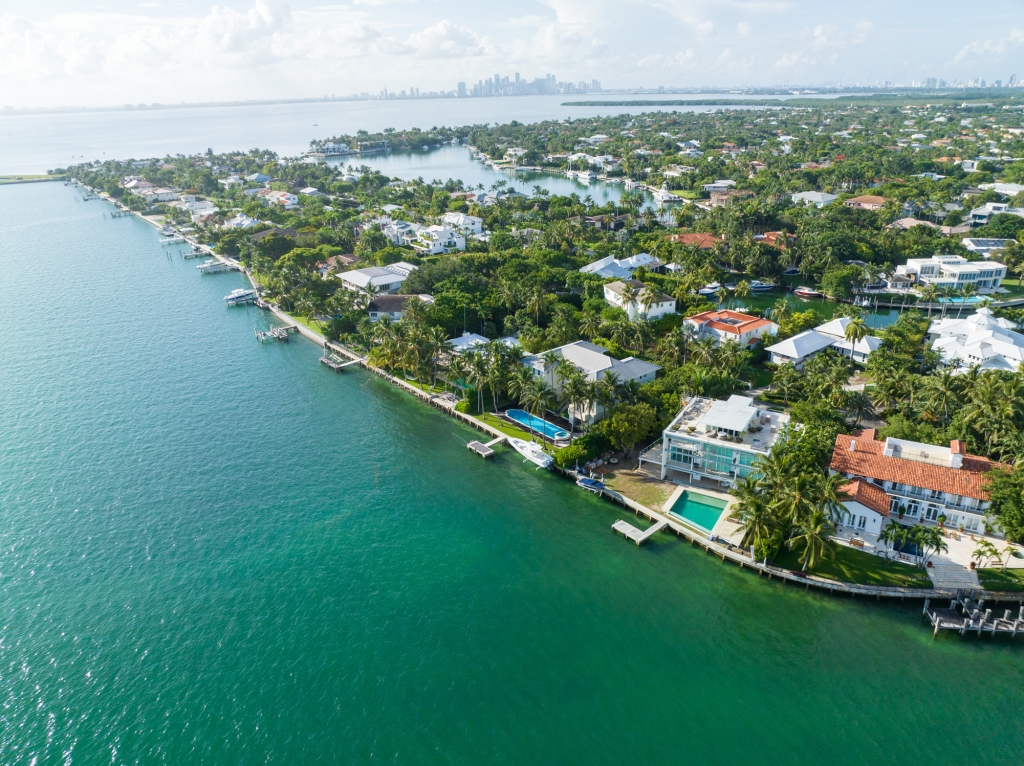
(730, 325)
(470, 340)
(954, 271)
(921, 481)
(715, 440)
(385, 279)
(615, 294)
(595, 363)
(437, 240)
(159, 194)
(392, 306)
(719, 186)
(240, 221)
(866, 202)
(981, 339)
(611, 267)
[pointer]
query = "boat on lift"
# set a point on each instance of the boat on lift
(533, 452)
(710, 289)
(591, 485)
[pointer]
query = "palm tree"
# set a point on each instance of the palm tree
(590, 324)
(942, 394)
(813, 534)
(574, 390)
(856, 331)
(742, 289)
(786, 380)
(930, 539)
(536, 398)
(966, 292)
(629, 293)
(858, 406)
(781, 310)
(457, 371)
(756, 519)
(476, 373)
(929, 294)
(985, 551)
(368, 293)
(721, 294)
(704, 350)
(888, 536)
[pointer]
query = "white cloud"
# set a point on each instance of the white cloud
(160, 50)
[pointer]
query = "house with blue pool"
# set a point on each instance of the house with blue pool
(714, 440)
(595, 363)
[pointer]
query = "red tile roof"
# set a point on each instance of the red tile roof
(741, 323)
(699, 239)
(868, 495)
(867, 459)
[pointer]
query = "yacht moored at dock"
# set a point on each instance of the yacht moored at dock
(240, 296)
(807, 292)
(532, 452)
(710, 289)
(757, 286)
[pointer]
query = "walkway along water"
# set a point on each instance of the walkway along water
(727, 553)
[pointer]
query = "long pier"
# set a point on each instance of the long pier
(638, 536)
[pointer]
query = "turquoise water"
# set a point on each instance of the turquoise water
(702, 510)
(218, 552)
(537, 425)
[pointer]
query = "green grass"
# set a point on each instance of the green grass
(1013, 285)
(501, 425)
(860, 568)
(997, 578)
(29, 178)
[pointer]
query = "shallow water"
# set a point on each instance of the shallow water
(216, 551)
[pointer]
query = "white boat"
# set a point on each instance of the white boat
(807, 292)
(532, 452)
(629, 183)
(240, 296)
(585, 176)
(664, 195)
(709, 289)
(757, 286)
(570, 173)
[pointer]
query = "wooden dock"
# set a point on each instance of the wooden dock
(481, 449)
(195, 254)
(639, 536)
(214, 267)
(336, 362)
(275, 333)
(120, 213)
(172, 241)
(965, 615)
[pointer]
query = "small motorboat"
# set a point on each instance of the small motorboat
(757, 286)
(584, 176)
(807, 292)
(593, 485)
(709, 289)
(533, 452)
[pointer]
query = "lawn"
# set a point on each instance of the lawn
(638, 486)
(502, 425)
(997, 578)
(1015, 288)
(860, 568)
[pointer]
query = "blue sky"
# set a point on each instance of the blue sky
(59, 52)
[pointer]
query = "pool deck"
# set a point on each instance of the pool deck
(723, 527)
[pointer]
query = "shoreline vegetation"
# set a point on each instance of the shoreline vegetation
(298, 224)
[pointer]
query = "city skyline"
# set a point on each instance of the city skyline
(59, 52)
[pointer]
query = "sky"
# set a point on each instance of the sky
(81, 53)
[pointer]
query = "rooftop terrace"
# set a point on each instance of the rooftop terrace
(737, 420)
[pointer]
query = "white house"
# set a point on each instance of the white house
(719, 186)
(923, 481)
(866, 508)
(985, 247)
(230, 181)
(286, 199)
(716, 440)
(614, 293)
(392, 306)
(981, 339)
(982, 215)
(241, 221)
(311, 191)
(611, 267)
(467, 224)
(435, 240)
(594, 362)
(159, 194)
(818, 199)
(470, 340)
(800, 348)
(385, 280)
(954, 271)
(400, 232)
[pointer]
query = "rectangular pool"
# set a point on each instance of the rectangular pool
(700, 510)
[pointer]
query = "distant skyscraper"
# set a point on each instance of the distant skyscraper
(462, 90)
(1012, 81)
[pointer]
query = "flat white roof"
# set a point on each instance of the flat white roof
(734, 414)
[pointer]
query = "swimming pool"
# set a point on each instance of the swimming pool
(537, 425)
(700, 510)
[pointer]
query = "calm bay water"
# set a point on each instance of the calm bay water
(33, 143)
(213, 551)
